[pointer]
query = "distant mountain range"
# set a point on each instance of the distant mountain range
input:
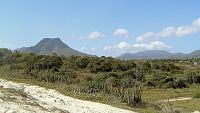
(158, 54)
(55, 45)
(51, 45)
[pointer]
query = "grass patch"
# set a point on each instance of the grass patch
(186, 106)
(197, 95)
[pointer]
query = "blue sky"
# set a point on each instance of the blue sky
(103, 27)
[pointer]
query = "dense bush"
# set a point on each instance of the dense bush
(82, 62)
(193, 77)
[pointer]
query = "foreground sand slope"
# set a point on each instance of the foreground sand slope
(38, 99)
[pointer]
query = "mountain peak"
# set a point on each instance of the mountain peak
(51, 45)
(55, 39)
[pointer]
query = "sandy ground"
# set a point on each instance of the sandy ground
(196, 112)
(25, 98)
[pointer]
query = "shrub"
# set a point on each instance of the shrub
(193, 78)
(82, 62)
(179, 84)
(197, 95)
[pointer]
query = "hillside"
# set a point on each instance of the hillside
(195, 54)
(51, 45)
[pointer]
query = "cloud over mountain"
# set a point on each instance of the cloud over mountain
(171, 31)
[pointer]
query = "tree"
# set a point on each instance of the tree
(82, 62)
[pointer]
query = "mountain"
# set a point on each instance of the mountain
(158, 54)
(51, 45)
(195, 54)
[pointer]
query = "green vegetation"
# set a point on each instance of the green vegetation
(137, 85)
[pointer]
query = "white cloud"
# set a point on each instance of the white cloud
(186, 30)
(145, 36)
(167, 32)
(196, 22)
(106, 48)
(95, 35)
(121, 32)
(123, 45)
(171, 31)
(157, 45)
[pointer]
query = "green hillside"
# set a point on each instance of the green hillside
(51, 45)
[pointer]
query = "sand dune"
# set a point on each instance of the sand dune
(37, 99)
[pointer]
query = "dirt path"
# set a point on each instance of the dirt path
(27, 98)
(176, 99)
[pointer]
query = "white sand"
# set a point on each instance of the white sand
(49, 100)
